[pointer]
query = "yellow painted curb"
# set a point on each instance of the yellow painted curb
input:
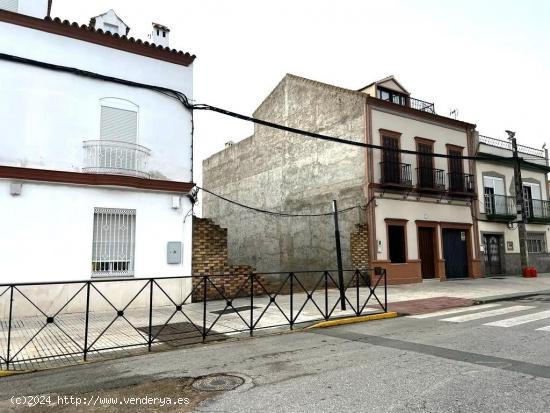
(6, 373)
(352, 320)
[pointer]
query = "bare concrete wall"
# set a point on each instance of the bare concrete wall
(280, 171)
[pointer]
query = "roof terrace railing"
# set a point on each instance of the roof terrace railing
(498, 143)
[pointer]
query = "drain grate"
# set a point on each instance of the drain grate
(218, 382)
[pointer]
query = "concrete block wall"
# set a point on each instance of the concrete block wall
(280, 171)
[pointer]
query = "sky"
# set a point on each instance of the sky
(489, 59)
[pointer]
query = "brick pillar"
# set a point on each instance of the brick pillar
(360, 248)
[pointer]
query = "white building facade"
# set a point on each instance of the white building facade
(95, 174)
(497, 211)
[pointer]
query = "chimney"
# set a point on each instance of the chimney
(160, 35)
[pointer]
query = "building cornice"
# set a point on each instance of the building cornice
(432, 117)
(79, 178)
(86, 34)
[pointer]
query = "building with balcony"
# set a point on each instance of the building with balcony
(497, 208)
(410, 213)
(94, 172)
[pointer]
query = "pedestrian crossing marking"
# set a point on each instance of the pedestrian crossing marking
(454, 311)
(547, 328)
(514, 321)
(485, 314)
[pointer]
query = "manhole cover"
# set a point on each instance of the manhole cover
(218, 382)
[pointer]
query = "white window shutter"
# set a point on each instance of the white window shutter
(9, 5)
(118, 124)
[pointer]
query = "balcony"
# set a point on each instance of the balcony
(461, 184)
(116, 158)
(500, 207)
(421, 105)
(430, 179)
(395, 174)
(537, 211)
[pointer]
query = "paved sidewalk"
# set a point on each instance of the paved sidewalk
(66, 335)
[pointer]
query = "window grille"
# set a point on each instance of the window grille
(536, 242)
(9, 5)
(113, 242)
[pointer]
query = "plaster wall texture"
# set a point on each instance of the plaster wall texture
(49, 114)
(280, 171)
(47, 231)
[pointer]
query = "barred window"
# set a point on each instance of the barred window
(113, 242)
(536, 242)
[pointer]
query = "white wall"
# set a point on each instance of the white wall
(412, 211)
(411, 128)
(46, 115)
(46, 232)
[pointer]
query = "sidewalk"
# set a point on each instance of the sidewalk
(431, 295)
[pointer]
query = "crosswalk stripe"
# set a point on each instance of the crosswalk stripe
(454, 311)
(522, 319)
(485, 314)
(547, 328)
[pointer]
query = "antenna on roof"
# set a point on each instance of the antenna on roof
(453, 113)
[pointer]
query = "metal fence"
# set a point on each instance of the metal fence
(66, 322)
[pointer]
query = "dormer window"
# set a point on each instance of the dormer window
(113, 28)
(391, 96)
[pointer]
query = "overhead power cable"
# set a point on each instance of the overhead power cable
(277, 213)
(185, 102)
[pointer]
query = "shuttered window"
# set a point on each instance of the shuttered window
(9, 5)
(118, 124)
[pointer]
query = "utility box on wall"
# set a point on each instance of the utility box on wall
(173, 252)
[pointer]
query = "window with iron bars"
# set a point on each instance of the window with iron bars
(113, 242)
(536, 242)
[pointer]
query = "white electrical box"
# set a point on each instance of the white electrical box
(173, 252)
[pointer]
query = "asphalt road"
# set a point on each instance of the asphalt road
(441, 363)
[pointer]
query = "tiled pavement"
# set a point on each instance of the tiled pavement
(35, 343)
(55, 341)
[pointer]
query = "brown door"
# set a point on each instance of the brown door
(427, 251)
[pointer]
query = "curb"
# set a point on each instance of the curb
(7, 373)
(353, 320)
(504, 297)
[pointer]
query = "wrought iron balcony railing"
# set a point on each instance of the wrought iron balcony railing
(395, 174)
(499, 143)
(537, 210)
(500, 206)
(461, 183)
(421, 105)
(114, 157)
(430, 178)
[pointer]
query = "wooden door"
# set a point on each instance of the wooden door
(426, 249)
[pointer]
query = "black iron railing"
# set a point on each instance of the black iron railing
(430, 178)
(421, 105)
(537, 210)
(461, 183)
(395, 174)
(500, 206)
(98, 316)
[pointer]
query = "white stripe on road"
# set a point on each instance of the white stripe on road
(547, 328)
(522, 319)
(485, 314)
(454, 311)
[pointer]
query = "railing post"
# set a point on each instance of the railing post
(326, 295)
(291, 300)
(357, 277)
(9, 329)
(251, 276)
(204, 308)
(150, 315)
(385, 291)
(87, 321)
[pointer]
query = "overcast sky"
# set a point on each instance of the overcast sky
(488, 59)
